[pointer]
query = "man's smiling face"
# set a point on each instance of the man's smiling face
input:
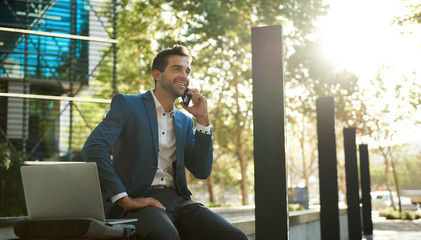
(175, 78)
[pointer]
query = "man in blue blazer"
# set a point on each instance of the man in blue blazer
(142, 147)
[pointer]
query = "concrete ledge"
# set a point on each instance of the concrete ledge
(241, 217)
(230, 212)
(302, 217)
(247, 224)
(306, 216)
(302, 224)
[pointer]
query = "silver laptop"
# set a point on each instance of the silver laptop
(63, 190)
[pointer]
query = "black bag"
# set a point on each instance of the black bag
(72, 228)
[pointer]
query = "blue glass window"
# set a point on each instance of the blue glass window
(44, 58)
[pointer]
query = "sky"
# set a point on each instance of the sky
(358, 35)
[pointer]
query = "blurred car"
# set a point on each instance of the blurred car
(381, 200)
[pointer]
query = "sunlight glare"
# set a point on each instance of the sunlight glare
(358, 36)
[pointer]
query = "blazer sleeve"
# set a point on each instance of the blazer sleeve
(99, 144)
(199, 154)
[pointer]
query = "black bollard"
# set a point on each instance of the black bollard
(328, 173)
(365, 190)
(352, 185)
(271, 192)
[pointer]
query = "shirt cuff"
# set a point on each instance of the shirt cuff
(118, 196)
(203, 129)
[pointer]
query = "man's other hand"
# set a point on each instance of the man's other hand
(130, 204)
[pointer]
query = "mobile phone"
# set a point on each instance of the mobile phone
(186, 97)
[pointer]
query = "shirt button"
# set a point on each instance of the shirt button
(162, 179)
(163, 132)
(163, 114)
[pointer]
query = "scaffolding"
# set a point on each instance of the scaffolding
(50, 53)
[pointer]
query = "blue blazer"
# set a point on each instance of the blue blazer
(129, 133)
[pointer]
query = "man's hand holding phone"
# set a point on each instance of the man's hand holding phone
(200, 105)
(186, 97)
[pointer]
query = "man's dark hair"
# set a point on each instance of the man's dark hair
(160, 61)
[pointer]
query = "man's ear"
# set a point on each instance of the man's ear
(156, 74)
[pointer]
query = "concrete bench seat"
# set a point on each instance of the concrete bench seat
(302, 224)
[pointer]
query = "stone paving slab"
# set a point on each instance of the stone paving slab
(385, 229)
(394, 235)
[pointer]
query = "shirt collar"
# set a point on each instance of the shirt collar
(159, 107)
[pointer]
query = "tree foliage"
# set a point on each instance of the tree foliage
(218, 34)
(390, 115)
(311, 75)
(407, 167)
(12, 201)
(412, 15)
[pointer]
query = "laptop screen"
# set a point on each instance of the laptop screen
(62, 190)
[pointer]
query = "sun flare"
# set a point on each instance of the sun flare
(359, 36)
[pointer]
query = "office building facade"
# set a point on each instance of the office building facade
(48, 49)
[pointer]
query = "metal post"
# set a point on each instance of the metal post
(72, 56)
(328, 173)
(114, 48)
(365, 189)
(352, 185)
(269, 134)
(25, 121)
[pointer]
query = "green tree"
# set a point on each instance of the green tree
(311, 75)
(86, 116)
(218, 33)
(409, 168)
(412, 15)
(408, 164)
(12, 201)
(224, 31)
(390, 112)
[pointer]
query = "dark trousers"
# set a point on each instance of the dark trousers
(183, 219)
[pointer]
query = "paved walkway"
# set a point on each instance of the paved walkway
(385, 229)
(394, 229)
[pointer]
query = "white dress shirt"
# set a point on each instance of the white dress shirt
(167, 148)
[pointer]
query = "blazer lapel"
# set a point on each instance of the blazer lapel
(151, 111)
(178, 166)
(179, 136)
